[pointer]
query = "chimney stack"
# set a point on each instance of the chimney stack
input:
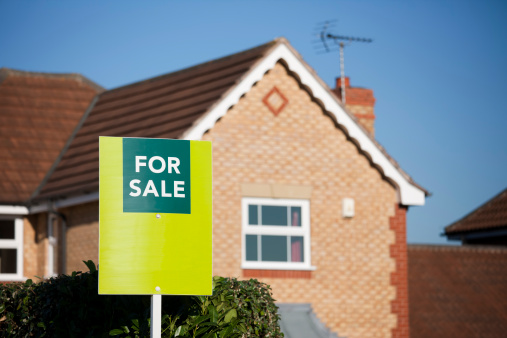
(358, 101)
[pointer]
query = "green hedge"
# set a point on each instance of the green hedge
(69, 306)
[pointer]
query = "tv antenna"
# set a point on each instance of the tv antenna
(340, 41)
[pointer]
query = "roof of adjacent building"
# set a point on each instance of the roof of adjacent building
(185, 104)
(299, 321)
(490, 215)
(457, 291)
(38, 112)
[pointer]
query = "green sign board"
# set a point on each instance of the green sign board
(155, 209)
(156, 175)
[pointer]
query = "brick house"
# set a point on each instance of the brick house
(304, 198)
(38, 112)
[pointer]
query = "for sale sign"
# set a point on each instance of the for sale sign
(156, 175)
(155, 216)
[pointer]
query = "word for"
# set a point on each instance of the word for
(173, 162)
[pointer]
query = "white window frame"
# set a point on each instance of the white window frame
(16, 243)
(303, 230)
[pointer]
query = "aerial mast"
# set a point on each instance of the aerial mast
(339, 40)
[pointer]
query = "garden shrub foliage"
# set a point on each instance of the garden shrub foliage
(69, 306)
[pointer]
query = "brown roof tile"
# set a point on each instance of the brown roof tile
(490, 215)
(163, 107)
(457, 291)
(38, 112)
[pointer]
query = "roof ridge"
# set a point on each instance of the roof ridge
(475, 210)
(440, 247)
(6, 72)
(193, 67)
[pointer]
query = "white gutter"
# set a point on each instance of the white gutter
(63, 203)
(13, 210)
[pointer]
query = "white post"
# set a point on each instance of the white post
(156, 316)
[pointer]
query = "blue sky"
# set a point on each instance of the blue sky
(438, 70)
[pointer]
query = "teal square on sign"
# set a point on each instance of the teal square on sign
(156, 175)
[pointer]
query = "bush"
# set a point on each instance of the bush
(69, 306)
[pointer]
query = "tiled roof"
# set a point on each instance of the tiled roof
(38, 112)
(162, 107)
(186, 103)
(457, 291)
(491, 215)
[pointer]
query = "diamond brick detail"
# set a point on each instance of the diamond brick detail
(275, 101)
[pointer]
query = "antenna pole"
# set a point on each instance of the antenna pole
(342, 71)
(328, 36)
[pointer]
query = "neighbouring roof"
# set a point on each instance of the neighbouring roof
(187, 103)
(457, 291)
(38, 112)
(299, 321)
(490, 215)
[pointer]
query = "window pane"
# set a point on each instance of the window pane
(274, 248)
(252, 215)
(8, 260)
(251, 248)
(297, 249)
(7, 229)
(274, 215)
(295, 216)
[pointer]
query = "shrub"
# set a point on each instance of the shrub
(69, 306)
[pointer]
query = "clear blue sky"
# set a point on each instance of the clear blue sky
(438, 70)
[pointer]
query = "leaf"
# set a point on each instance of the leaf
(115, 332)
(213, 313)
(41, 324)
(210, 335)
(225, 332)
(2, 307)
(181, 331)
(242, 327)
(230, 315)
(125, 329)
(90, 265)
(200, 319)
(28, 282)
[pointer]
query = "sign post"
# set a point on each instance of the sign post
(155, 226)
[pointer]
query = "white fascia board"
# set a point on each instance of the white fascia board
(13, 210)
(408, 193)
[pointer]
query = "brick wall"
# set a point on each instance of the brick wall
(351, 289)
(82, 235)
(35, 246)
(399, 277)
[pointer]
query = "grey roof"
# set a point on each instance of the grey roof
(299, 321)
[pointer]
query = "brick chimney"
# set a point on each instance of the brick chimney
(358, 101)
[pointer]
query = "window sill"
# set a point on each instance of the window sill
(277, 267)
(271, 273)
(10, 278)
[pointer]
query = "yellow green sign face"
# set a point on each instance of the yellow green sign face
(155, 205)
